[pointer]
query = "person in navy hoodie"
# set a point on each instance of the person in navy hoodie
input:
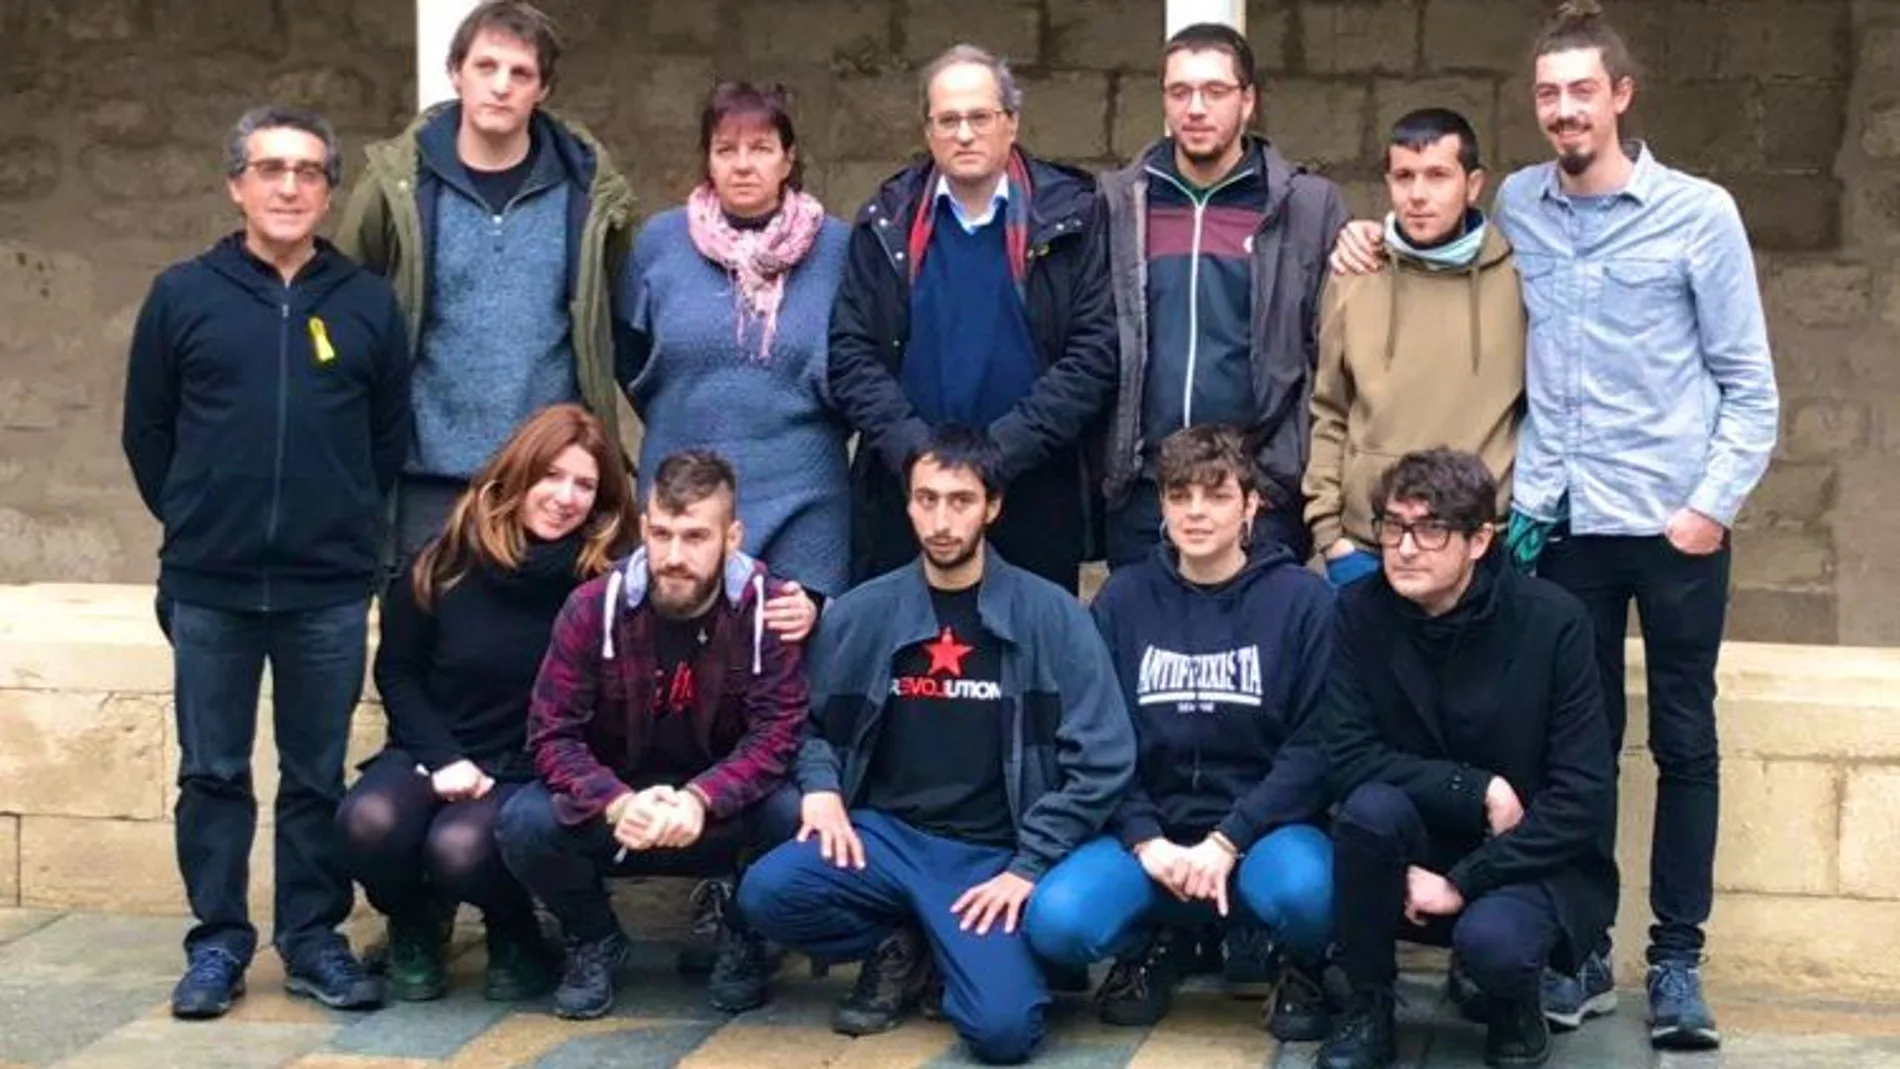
(1221, 655)
(266, 415)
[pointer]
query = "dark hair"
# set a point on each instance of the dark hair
(1421, 129)
(1455, 486)
(276, 117)
(1579, 24)
(1205, 456)
(769, 105)
(956, 447)
(1213, 37)
(514, 18)
(688, 477)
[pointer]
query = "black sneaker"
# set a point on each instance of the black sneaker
(1249, 960)
(1139, 990)
(890, 984)
(1679, 1019)
(213, 980)
(333, 976)
(416, 968)
(587, 978)
(1571, 1000)
(711, 900)
(743, 970)
(1516, 1033)
(1300, 1012)
(521, 964)
(1369, 1037)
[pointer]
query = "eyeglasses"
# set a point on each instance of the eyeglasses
(309, 173)
(982, 121)
(1215, 93)
(1429, 534)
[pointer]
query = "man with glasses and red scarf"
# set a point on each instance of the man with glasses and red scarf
(976, 293)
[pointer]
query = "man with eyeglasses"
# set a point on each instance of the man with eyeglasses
(266, 416)
(1466, 733)
(1217, 247)
(976, 292)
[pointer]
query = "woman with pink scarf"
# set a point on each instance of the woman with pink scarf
(723, 313)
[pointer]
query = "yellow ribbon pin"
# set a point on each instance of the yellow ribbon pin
(320, 338)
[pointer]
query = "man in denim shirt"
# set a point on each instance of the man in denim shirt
(1653, 410)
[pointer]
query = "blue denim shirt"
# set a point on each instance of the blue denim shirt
(1649, 380)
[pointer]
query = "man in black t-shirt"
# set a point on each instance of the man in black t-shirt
(967, 734)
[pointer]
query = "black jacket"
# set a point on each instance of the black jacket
(1505, 684)
(264, 424)
(1070, 314)
(1224, 687)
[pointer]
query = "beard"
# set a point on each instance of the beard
(684, 605)
(1575, 162)
(1212, 155)
(955, 556)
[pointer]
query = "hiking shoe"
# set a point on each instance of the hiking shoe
(1249, 960)
(1139, 990)
(1300, 1012)
(586, 990)
(890, 984)
(710, 901)
(415, 966)
(743, 969)
(1368, 1038)
(1571, 1000)
(1517, 1033)
(333, 976)
(521, 964)
(1679, 1019)
(1467, 997)
(213, 980)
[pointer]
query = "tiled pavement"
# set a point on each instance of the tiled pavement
(82, 991)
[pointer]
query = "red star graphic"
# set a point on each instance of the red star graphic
(946, 654)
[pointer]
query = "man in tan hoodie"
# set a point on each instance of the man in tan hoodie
(1426, 353)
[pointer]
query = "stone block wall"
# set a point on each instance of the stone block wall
(1807, 875)
(112, 113)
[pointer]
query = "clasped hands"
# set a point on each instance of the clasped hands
(1429, 894)
(660, 817)
(1194, 872)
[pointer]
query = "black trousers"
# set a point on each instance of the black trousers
(564, 865)
(1504, 937)
(411, 850)
(1682, 602)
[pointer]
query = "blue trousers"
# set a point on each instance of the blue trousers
(1099, 902)
(316, 658)
(993, 990)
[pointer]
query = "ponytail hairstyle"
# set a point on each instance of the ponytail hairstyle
(486, 527)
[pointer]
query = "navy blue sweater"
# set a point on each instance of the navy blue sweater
(264, 424)
(1224, 686)
(971, 356)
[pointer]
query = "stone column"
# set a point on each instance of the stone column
(1188, 12)
(436, 21)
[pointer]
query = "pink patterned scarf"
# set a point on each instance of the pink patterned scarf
(757, 260)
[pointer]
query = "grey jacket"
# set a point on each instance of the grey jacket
(1304, 214)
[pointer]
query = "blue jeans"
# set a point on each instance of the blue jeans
(993, 989)
(316, 658)
(1349, 569)
(1099, 902)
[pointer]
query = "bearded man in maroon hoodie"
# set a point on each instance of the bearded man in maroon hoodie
(666, 715)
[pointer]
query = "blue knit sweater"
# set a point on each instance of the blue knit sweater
(698, 386)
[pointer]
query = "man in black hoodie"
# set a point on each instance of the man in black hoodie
(1217, 249)
(1466, 733)
(266, 414)
(1221, 656)
(976, 292)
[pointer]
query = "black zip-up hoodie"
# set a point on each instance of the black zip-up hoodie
(264, 423)
(1223, 685)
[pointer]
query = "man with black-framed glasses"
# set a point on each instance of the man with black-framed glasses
(1466, 735)
(1217, 245)
(976, 293)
